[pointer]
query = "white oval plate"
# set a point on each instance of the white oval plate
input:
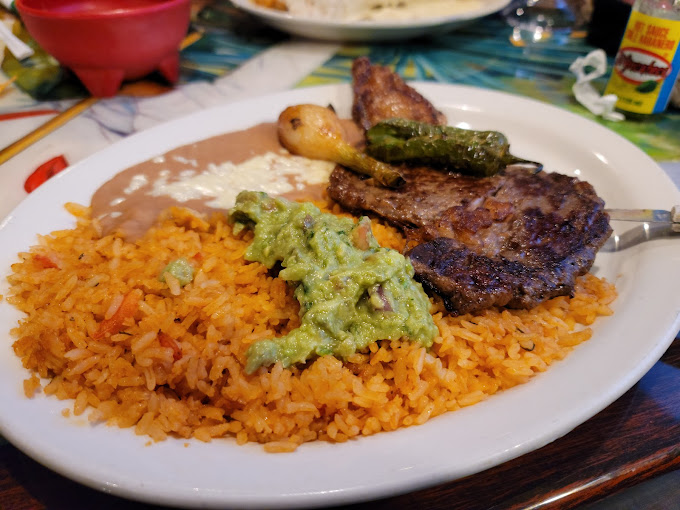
(454, 445)
(369, 30)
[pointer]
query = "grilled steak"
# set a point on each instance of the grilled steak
(514, 239)
(380, 94)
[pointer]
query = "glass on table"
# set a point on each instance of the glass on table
(537, 20)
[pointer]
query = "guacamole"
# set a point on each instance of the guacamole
(351, 291)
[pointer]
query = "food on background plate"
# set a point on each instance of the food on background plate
(189, 327)
(354, 10)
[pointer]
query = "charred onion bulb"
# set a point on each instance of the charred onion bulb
(315, 132)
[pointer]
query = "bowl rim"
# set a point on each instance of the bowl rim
(46, 13)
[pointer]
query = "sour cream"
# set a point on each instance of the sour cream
(218, 185)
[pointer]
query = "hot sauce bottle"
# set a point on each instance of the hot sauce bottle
(648, 60)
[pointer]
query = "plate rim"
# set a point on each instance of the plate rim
(356, 493)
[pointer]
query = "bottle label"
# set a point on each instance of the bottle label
(646, 64)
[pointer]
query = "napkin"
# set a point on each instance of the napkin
(587, 69)
(19, 49)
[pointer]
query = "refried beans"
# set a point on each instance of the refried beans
(129, 204)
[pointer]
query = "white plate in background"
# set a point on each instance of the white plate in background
(369, 30)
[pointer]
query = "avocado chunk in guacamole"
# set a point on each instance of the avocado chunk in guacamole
(351, 291)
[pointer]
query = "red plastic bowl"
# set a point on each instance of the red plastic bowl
(108, 41)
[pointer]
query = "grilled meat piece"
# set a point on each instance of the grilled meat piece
(380, 94)
(514, 239)
(469, 282)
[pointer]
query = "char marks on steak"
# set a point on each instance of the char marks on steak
(514, 239)
(380, 94)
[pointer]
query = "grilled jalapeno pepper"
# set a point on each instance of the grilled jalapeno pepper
(478, 153)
